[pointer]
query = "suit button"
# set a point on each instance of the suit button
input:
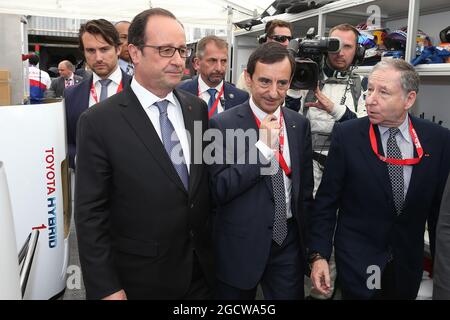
(192, 206)
(191, 232)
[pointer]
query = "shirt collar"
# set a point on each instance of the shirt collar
(116, 76)
(203, 86)
(146, 97)
(260, 114)
(404, 129)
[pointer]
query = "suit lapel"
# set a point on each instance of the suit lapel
(189, 120)
(293, 134)
(378, 167)
(142, 126)
(418, 170)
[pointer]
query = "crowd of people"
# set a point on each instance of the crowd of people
(198, 189)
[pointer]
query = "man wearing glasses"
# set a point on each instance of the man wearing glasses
(142, 203)
(275, 31)
(260, 217)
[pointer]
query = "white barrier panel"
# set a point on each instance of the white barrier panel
(9, 263)
(33, 150)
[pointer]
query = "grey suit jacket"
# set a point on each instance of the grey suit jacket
(58, 85)
(441, 274)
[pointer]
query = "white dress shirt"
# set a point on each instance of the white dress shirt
(268, 153)
(206, 96)
(174, 112)
(116, 78)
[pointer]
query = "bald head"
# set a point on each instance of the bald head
(122, 29)
(65, 69)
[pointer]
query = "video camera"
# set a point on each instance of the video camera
(309, 53)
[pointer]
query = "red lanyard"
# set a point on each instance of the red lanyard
(279, 153)
(94, 94)
(401, 162)
(216, 102)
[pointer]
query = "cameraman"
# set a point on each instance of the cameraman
(275, 31)
(337, 98)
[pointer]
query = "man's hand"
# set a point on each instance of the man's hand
(320, 276)
(269, 132)
(119, 295)
(323, 102)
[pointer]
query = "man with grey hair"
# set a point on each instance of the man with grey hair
(66, 79)
(385, 174)
(211, 61)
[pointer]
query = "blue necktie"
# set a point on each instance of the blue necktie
(170, 140)
(212, 92)
(104, 92)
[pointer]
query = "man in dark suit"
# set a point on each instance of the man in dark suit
(385, 174)
(259, 228)
(211, 60)
(100, 43)
(441, 273)
(66, 79)
(142, 205)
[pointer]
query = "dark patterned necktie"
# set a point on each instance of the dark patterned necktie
(280, 219)
(170, 141)
(395, 171)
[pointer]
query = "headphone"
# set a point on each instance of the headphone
(359, 50)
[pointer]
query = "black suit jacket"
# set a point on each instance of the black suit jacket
(76, 99)
(244, 197)
(231, 95)
(59, 85)
(136, 224)
(356, 183)
(441, 274)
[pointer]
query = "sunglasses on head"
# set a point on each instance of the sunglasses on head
(278, 38)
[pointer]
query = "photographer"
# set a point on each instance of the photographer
(337, 98)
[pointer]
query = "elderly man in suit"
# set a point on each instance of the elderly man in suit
(385, 175)
(142, 208)
(441, 274)
(66, 79)
(100, 43)
(211, 62)
(259, 227)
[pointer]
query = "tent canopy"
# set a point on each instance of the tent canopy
(192, 12)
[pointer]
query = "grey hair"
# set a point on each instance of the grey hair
(409, 77)
(69, 65)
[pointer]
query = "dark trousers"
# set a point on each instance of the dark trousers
(283, 276)
(198, 289)
(388, 289)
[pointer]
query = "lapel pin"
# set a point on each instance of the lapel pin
(231, 96)
(189, 108)
(427, 154)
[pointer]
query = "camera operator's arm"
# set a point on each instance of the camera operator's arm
(339, 112)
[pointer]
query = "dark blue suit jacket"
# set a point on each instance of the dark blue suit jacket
(231, 95)
(244, 198)
(356, 183)
(76, 99)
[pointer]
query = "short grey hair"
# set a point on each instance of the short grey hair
(201, 45)
(69, 65)
(409, 77)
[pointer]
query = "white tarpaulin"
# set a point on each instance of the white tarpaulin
(196, 12)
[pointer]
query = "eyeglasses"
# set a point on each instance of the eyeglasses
(280, 39)
(168, 51)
